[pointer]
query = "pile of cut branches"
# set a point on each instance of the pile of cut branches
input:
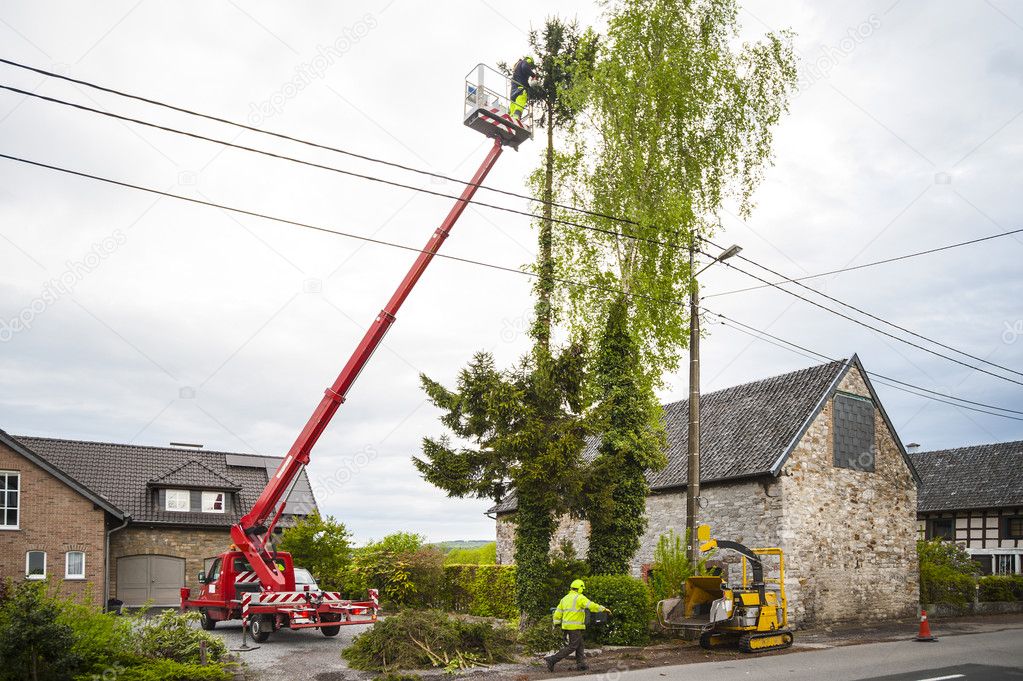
(419, 639)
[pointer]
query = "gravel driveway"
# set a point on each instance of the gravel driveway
(302, 654)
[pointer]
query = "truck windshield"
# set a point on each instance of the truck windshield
(304, 578)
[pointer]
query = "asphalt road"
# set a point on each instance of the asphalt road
(990, 656)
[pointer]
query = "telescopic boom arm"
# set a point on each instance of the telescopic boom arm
(252, 533)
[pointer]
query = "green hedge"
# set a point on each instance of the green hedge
(941, 584)
(629, 601)
(483, 590)
(1000, 588)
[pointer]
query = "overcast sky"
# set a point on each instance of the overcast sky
(177, 322)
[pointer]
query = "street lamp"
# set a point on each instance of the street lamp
(693, 479)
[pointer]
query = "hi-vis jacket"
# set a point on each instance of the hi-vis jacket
(571, 611)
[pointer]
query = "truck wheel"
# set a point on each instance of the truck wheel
(205, 621)
(260, 628)
(330, 631)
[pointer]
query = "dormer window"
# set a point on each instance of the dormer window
(179, 500)
(213, 502)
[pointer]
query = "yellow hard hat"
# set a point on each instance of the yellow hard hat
(578, 585)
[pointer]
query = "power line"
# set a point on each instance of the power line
(312, 164)
(874, 328)
(318, 228)
(876, 376)
(317, 145)
(869, 264)
(873, 316)
(887, 378)
(295, 223)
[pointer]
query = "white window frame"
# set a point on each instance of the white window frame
(35, 577)
(212, 496)
(5, 508)
(167, 500)
(67, 565)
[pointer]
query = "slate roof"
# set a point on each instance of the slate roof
(122, 473)
(981, 476)
(194, 475)
(746, 431)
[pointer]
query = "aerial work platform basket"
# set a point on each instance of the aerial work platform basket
(488, 107)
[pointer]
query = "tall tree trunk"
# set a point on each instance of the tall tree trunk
(545, 282)
(535, 526)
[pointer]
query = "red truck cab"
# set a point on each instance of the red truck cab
(231, 590)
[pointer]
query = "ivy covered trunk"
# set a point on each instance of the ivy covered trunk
(632, 442)
(545, 263)
(534, 527)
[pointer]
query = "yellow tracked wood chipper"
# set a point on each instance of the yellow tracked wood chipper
(752, 613)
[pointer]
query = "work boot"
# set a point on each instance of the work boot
(550, 663)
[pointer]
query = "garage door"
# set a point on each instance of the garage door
(157, 579)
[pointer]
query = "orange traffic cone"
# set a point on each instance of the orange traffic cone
(925, 629)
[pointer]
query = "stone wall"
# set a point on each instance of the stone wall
(56, 519)
(194, 545)
(748, 512)
(577, 532)
(849, 536)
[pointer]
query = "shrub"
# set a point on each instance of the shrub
(415, 639)
(34, 642)
(672, 565)
(942, 584)
(172, 635)
(101, 640)
(947, 554)
(407, 573)
(946, 573)
(995, 588)
(322, 546)
(167, 670)
(629, 600)
(483, 590)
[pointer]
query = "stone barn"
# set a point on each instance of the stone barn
(806, 461)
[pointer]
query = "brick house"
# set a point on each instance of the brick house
(807, 461)
(124, 521)
(974, 496)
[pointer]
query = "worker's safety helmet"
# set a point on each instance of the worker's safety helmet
(529, 60)
(578, 585)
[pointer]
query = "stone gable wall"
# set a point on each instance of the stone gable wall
(849, 536)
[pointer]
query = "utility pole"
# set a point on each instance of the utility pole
(693, 479)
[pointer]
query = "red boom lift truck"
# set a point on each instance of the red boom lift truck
(256, 583)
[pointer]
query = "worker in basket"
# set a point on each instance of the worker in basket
(523, 71)
(571, 616)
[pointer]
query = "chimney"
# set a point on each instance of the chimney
(912, 447)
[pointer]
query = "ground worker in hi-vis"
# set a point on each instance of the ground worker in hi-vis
(524, 70)
(571, 615)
